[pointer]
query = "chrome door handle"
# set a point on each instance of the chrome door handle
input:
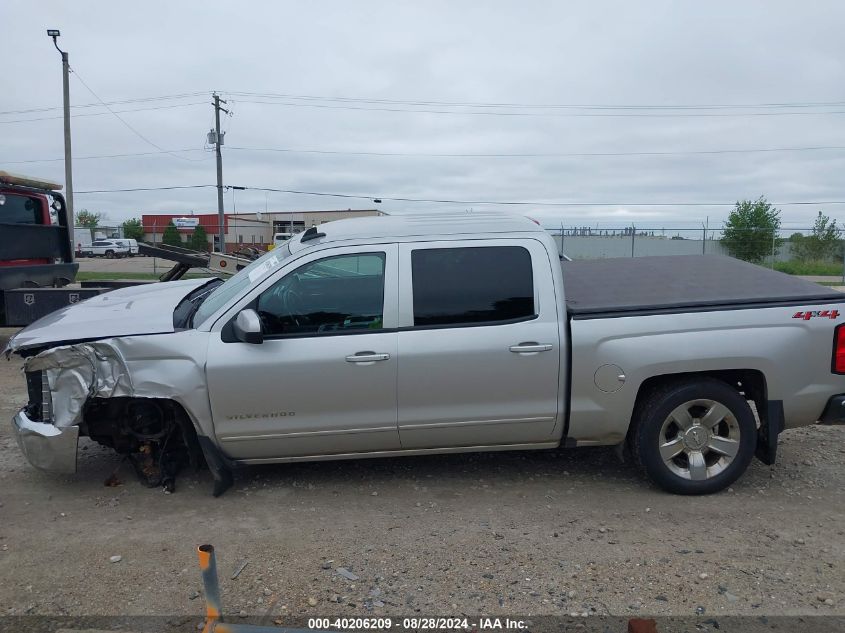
(526, 348)
(366, 357)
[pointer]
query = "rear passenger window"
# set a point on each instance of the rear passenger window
(463, 286)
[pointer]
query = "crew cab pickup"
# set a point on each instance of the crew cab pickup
(408, 335)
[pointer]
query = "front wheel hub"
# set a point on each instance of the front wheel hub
(696, 437)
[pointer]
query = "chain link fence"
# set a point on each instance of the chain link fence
(793, 250)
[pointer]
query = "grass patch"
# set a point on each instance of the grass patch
(793, 267)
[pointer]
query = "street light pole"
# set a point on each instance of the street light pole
(54, 33)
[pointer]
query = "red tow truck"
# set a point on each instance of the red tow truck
(36, 258)
(37, 270)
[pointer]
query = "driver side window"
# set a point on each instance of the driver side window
(332, 295)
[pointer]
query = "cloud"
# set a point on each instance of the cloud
(606, 53)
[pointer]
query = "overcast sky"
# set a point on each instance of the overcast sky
(376, 53)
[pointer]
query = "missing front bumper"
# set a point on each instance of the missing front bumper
(45, 446)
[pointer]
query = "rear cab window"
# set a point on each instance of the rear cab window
(465, 286)
(17, 209)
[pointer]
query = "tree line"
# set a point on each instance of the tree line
(752, 233)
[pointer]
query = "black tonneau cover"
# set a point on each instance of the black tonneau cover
(647, 285)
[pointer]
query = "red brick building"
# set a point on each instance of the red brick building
(245, 229)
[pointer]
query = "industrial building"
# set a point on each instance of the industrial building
(245, 229)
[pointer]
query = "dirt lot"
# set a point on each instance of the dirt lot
(531, 533)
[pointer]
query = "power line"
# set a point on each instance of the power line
(130, 155)
(470, 202)
(454, 104)
(75, 116)
(540, 154)
(539, 114)
(120, 102)
(532, 203)
(146, 189)
(798, 104)
(454, 155)
(119, 118)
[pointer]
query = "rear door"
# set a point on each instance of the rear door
(479, 344)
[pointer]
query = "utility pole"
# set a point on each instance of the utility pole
(54, 33)
(218, 141)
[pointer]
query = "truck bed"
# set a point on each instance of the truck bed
(653, 285)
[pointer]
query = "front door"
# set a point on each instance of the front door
(323, 382)
(479, 344)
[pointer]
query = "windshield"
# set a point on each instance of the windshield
(241, 282)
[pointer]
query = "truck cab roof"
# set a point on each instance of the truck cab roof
(416, 225)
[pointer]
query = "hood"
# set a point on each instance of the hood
(144, 309)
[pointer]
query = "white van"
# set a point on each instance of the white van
(82, 237)
(132, 245)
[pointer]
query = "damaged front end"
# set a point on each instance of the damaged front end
(44, 444)
(87, 389)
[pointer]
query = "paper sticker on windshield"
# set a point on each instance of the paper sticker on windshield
(809, 314)
(260, 271)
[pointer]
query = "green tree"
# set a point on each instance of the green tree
(823, 244)
(751, 232)
(171, 235)
(89, 219)
(199, 239)
(132, 229)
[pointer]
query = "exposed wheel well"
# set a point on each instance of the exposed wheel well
(750, 383)
(157, 431)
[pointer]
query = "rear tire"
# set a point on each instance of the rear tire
(109, 254)
(693, 436)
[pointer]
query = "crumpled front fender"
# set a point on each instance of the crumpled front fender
(78, 372)
(170, 366)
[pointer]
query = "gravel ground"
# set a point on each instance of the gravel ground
(553, 532)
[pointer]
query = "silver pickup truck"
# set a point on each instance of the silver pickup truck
(409, 335)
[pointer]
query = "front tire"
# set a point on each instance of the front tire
(694, 436)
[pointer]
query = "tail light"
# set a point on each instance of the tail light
(838, 362)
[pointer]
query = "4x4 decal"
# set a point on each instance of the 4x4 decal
(808, 314)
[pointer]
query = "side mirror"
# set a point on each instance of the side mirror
(247, 327)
